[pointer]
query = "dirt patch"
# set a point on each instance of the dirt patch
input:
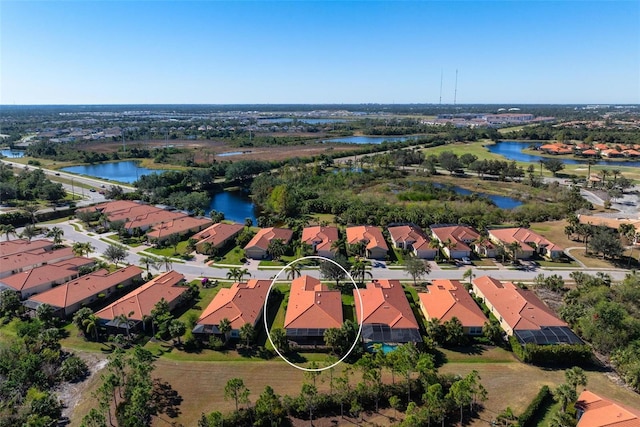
(72, 393)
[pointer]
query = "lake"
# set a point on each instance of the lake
(512, 150)
(503, 202)
(12, 154)
(236, 205)
(126, 171)
(369, 139)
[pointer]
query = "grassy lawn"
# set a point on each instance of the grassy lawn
(479, 354)
(181, 249)
(484, 262)
(233, 256)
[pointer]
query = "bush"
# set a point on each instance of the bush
(73, 369)
(552, 355)
(539, 401)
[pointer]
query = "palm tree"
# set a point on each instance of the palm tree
(79, 248)
(247, 333)
(148, 262)
(293, 270)
(56, 234)
(31, 210)
(449, 245)
(8, 229)
(468, 274)
(29, 232)
(480, 243)
(165, 261)
(237, 273)
(124, 318)
(565, 394)
(575, 376)
(276, 248)
(514, 247)
(224, 326)
(360, 268)
(339, 245)
(604, 173)
(90, 324)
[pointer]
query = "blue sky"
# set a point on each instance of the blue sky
(268, 52)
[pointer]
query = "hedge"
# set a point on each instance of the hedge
(555, 355)
(539, 401)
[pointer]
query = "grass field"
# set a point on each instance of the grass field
(509, 383)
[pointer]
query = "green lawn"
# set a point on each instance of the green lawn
(181, 249)
(233, 257)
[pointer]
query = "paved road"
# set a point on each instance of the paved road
(196, 269)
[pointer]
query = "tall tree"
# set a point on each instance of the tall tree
(115, 253)
(224, 326)
(56, 235)
(236, 390)
(247, 333)
(417, 268)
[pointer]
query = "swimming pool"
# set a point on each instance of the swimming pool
(386, 348)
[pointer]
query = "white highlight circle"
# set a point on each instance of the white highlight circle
(266, 326)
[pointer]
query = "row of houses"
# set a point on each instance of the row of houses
(385, 312)
(456, 241)
(595, 150)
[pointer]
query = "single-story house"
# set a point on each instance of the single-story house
(613, 223)
(386, 315)
(312, 309)
(179, 226)
(412, 238)
(240, 304)
(375, 245)
(45, 277)
(217, 236)
(596, 411)
(455, 240)
(69, 297)
(257, 247)
(447, 299)
(19, 262)
(17, 246)
(321, 239)
(137, 305)
(530, 242)
(522, 314)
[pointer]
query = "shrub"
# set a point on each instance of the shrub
(539, 401)
(73, 369)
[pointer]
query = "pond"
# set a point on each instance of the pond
(503, 202)
(12, 154)
(369, 139)
(512, 150)
(236, 206)
(126, 171)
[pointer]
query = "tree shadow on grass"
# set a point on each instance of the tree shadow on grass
(167, 400)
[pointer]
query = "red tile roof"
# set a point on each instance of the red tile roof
(80, 289)
(601, 412)
(17, 246)
(323, 237)
(218, 233)
(177, 226)
(312, 305)
(240, 304)
(523, 236)
(447, 299)
(35, 257)
(135, 214)
(266, 235)
(142, 300)
(412, 235)
(384, 302)
(457, 234)
(521, 309)
(369, 234)
(51, 273)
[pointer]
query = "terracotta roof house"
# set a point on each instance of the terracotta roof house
(71, 296)
(595, 411)
(521, 313)
(611, 153)
(10, 247)
(412, 238)
(137, 304)
(601, 147)
(614, 223)
(217, 235)
(372, 237)
(631, 153)
(257, 247)
(180, 226)
(460, 236)
(530, 242)
(16, 263)
(312, 309)
(45, 277)
(589, 153)
(447, 299)
(387, 316)
(321, 238)
(556, 148)
(241, 303)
